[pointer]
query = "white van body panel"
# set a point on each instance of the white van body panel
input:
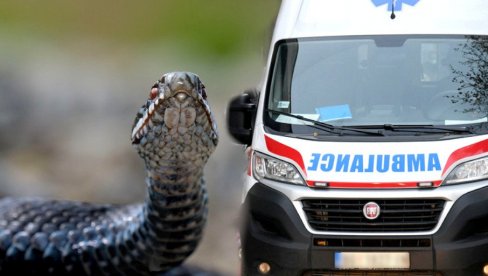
(311, 18)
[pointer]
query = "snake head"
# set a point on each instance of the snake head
(175, 123)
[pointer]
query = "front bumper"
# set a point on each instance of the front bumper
(273, 232)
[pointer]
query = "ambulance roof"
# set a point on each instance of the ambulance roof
(312, 18)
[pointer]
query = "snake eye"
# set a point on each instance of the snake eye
(154, 93)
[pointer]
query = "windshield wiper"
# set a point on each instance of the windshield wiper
(426, 128)
(326, 127)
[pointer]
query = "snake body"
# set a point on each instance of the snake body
(174, 133)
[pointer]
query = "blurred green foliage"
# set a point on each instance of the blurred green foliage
(214, 27)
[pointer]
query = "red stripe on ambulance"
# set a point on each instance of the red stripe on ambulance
(372, 185)
(468, 151)
(285, 151)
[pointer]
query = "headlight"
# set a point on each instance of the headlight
(271, 168)
(469, 171)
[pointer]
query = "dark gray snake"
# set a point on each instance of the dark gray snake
(174, 133)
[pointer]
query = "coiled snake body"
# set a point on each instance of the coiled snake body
(174, 133)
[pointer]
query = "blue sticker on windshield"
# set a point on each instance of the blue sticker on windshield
(335, 112)
(395, 5)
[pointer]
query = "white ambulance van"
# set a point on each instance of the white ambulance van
(368, 141)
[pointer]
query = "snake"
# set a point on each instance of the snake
(174, 133)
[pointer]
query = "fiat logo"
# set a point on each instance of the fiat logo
(371, 210)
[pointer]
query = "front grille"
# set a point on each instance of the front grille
(396, 215)
(371, 242)
(371, 273)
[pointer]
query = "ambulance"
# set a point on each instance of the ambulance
(368, 141)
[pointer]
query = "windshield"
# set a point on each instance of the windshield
(378, 80)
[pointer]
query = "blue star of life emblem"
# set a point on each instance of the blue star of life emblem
(396, 4)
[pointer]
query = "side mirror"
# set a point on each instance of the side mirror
(241, 113)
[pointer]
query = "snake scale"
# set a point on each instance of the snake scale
(174, 133)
